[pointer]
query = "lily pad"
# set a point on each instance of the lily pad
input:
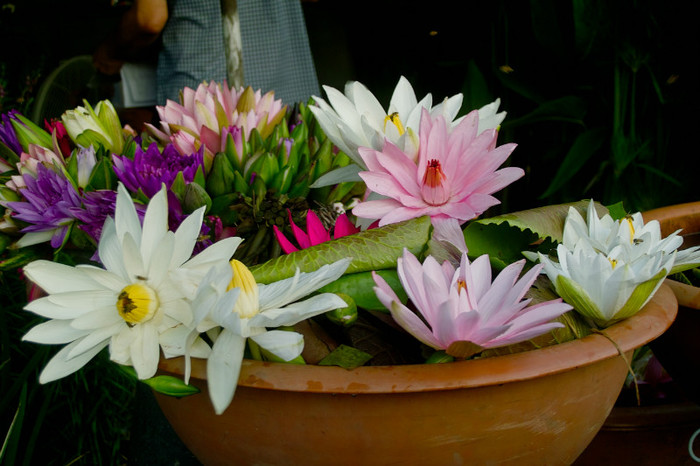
(345, 356)
(373, 249)
(547, 223)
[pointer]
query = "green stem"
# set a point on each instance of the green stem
(254, 350)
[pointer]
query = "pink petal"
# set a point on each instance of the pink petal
(285, 244)
(301, 237)
(317, 233)
(344, 227)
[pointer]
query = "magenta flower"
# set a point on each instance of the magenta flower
(315, 232)
(453, 177)
(462, 309)
(150, 168)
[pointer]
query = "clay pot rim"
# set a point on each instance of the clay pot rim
(686, 217)
(629, 334)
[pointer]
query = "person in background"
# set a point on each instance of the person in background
(258, 43)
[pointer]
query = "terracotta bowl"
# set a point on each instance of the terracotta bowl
(537, 407)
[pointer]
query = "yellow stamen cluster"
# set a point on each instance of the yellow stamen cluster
(137, 303)
(613, 262)
(247, 304)
(394, 118)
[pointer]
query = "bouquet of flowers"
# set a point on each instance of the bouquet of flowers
(210, 237)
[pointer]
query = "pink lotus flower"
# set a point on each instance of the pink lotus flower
(453, 177)
(208, 114)
(315, 232)
(461, 311)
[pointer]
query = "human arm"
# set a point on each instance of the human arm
(139, 27)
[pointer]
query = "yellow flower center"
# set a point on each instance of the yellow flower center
(137, 303)
(394, 118)
(247, 304)
(613, 262)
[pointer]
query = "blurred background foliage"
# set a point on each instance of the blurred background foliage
(599, 94)
(599, 98)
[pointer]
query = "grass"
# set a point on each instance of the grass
(82, 419)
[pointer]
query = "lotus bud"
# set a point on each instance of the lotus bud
(221, 176)
(29, 133)
(195, 196)
(345, 316)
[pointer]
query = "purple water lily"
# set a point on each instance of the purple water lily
(150, 168)
(8, 136)
(98, 206)
(52, 205)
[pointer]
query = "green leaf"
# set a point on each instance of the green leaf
(12, 438)
(165, 384)
(346, 357)
(501, 242)
(617, 211)
(641, 294)
(583, 148)
(360, 287)
(370, 250)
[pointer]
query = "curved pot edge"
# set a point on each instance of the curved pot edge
(629, 334)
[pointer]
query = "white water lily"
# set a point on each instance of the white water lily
(631, 234)
(357, 119)
(248, 310)
(143, 289)
(609, 269)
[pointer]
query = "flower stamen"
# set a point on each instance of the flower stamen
(247, 304)
(137, 304)
(394, 118)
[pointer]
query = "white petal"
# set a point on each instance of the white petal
(60, 366)
(96, 338)
(223, 368)
(283, 344)
(126, 220)
(110, 249)
(46, 308)
(186, 237)
(155, 225)
(53, 277)
(54, 332)
(145, 350)
(285, 291)
(296, 312)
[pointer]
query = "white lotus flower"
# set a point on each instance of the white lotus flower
(248, 310)
(142, 290)
(609, 269)
(357, 119)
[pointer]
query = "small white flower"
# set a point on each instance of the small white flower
(248, 310)
(142, 290)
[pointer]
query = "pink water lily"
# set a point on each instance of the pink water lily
(454, 176)
(315, 232)
(462, 309)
